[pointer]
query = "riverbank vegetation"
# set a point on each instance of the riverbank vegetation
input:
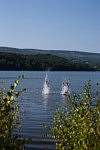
(78, 127)
(40, 62)
(10, 119)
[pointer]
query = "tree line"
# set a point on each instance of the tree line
(39, 62)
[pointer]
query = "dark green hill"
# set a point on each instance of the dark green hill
(38, 62)
(87, 59)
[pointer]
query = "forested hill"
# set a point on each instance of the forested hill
(33, 59)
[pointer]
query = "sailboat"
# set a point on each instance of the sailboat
(46, 86)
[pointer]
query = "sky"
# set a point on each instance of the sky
(51, 24)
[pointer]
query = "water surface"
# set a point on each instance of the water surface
(36, 108)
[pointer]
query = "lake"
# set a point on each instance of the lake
(36, 108)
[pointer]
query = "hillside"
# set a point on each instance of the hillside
(91, 59)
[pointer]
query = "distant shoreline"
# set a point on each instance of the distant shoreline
(13, 59)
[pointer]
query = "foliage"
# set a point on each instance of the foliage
(79, 127)
(9, 119)
(84, 58)
(39, 62)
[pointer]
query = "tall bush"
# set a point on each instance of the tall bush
(79, 127)
(9, 119)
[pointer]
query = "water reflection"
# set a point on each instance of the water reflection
(65, 101)
(46, 100)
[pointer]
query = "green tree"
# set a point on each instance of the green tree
(79, 127)
(9, 119)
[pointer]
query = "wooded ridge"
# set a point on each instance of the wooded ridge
(41, 60)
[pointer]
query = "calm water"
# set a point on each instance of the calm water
(36, 108)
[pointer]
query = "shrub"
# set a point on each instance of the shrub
(79, 127)
(9, 119)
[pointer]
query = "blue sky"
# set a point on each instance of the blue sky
(51, 24)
